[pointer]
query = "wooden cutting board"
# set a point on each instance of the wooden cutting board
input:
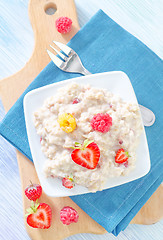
(12, 87)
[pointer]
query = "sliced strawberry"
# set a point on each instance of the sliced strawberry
(121, 156)
(40, 217)
(68, 182)
(86, 155)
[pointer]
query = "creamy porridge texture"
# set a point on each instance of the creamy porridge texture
(76, 106)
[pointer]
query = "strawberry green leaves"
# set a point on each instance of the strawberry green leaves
(33, 208)
(82, 146)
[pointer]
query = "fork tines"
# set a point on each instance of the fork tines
(66, 52)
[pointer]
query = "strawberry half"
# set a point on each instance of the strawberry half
(68, 182)
(86, 155)
(121, 156)
(39, 215)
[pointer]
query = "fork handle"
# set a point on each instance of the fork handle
(148, 116)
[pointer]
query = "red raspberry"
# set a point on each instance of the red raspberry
(101, 122)
(33, 192)
(63, 24)
(68, 215)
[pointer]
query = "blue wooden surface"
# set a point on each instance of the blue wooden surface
(143, 18)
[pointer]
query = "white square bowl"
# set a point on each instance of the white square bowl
(117, 83)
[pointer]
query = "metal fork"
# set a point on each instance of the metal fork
(71, 63)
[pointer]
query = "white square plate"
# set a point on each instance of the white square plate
(117, 83)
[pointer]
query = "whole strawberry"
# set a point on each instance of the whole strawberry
(33, 192)
(39, 215)
(68, 215)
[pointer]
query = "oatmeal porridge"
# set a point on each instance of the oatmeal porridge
(88, 135)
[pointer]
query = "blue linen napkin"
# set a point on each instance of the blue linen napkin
(105, 46)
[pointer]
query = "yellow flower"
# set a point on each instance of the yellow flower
(67, 122)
